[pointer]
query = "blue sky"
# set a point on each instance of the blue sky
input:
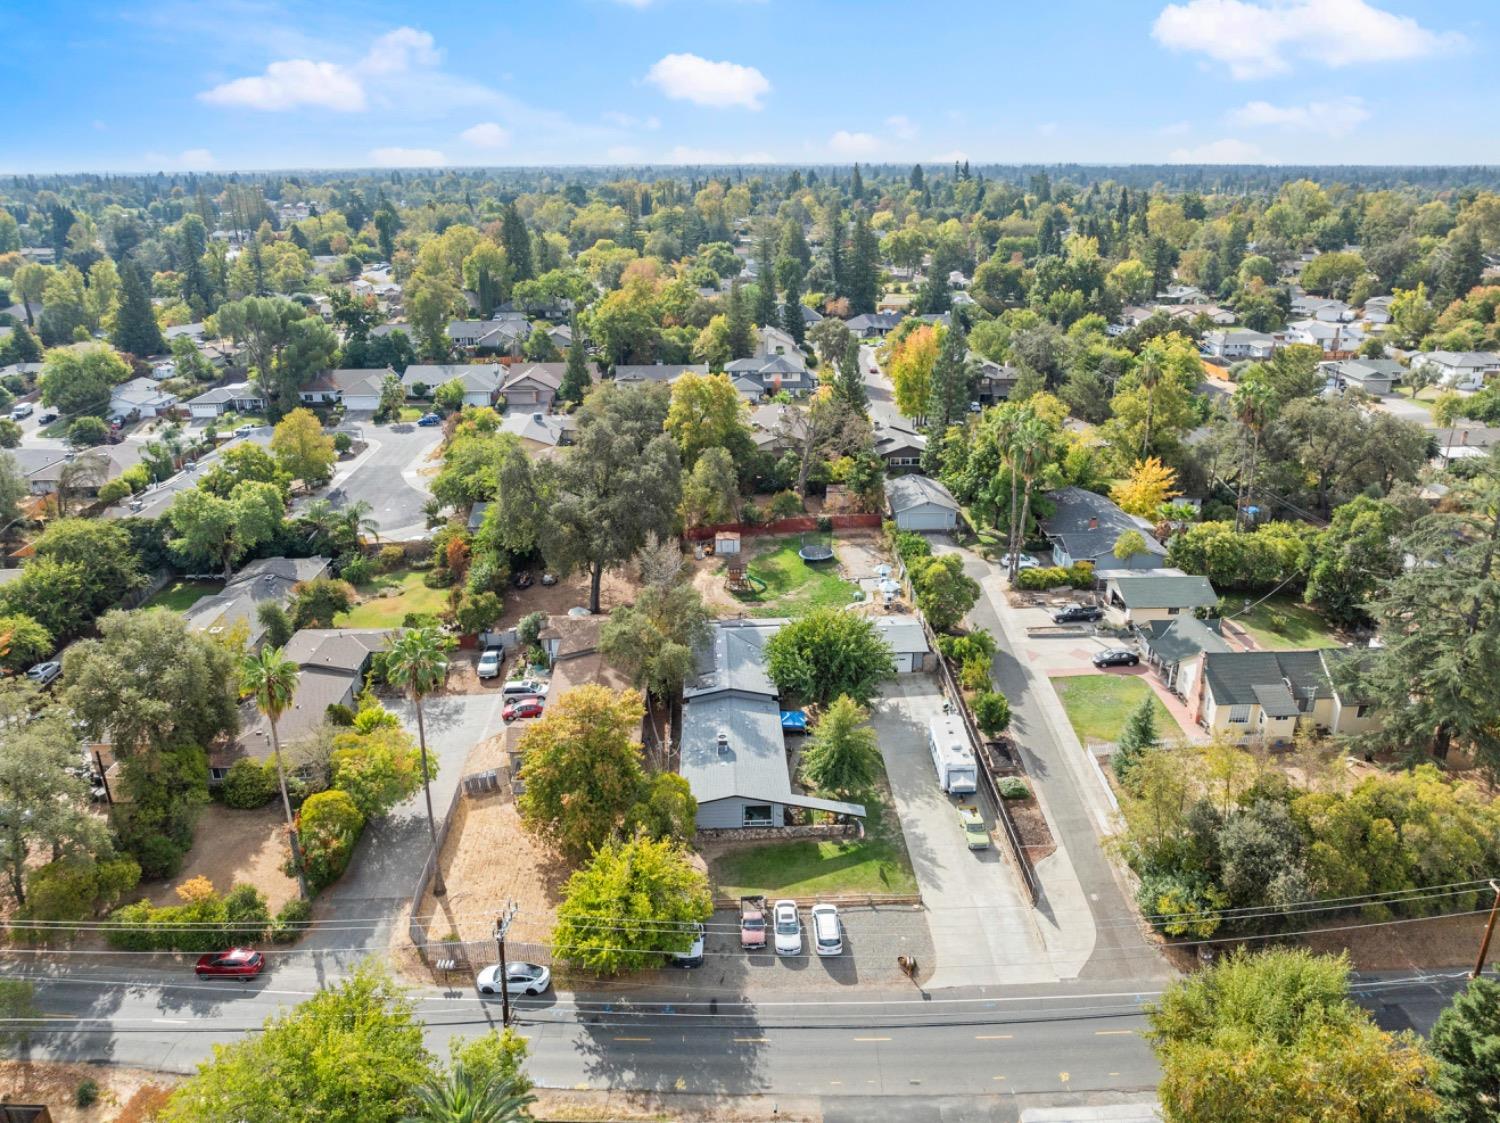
(280, 84)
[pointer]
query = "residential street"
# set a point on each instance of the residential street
(388, 476)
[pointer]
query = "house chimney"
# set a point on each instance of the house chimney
(1093, 523)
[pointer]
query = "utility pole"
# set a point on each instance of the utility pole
(1489, 930)
(502, 926)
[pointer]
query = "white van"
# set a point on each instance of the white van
(827, 933)
(519, 686)
(952, 756)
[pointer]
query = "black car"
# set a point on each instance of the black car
(1116, 657)
(1077, 612)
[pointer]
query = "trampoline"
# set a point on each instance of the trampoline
(815, 552)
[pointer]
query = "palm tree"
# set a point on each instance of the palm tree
(456, 1098)
(417, 663)
(1030, 443)
(1252, 403)
(356, 519)
(322, 518)
(272, 678)
(1149, 375)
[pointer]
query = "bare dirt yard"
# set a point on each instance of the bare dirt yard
(234, 847)
(570, 592)
(126, 1095)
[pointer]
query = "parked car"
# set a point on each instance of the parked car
(429, 419)
(827, 932)
(517, 687)
(752, 923)
(48, 417)
(21, 411)
(788, 928)
(975, 407)
(523, 978)
(1077, 612)
(519, 708)
(244, 430)
(693, 957)
(976, 834)
(1116, 657)
(1026, 561)
(236, 963)
(489, 662)
(117, 423)
(44, 673)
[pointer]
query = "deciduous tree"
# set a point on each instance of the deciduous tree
(843, 757)
(826, 653)
(302, 449)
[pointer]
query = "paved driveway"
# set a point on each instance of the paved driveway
(393, 849)
(982, 930)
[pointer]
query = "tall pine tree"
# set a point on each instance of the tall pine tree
(765, 281)
(516, 240)
(575, 381)
(948, 395)
(20, 347)
(837, 271)
(740, 335)
(849, 386)
(791, 307)
(863, 284)
(856, 184)
(136, 330)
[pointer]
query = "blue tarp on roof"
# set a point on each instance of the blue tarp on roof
(794, 721)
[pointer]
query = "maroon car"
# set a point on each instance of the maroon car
(236, 963)
(530, 706)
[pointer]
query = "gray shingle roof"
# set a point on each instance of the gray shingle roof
(1172, 641)
(1233, 676)
(1074, 508)
(905, 492)
(1165, 591)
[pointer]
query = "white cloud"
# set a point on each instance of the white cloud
(292, 83)
(901, 126)
(1226, 151)
(853, 146)
(487, 134)
(1334, 118)
(720, 85)
(195, 159)
(1255, 39)
(407, 158)
(401, 50)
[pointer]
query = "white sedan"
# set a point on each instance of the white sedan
(788, 928)
(521, 978)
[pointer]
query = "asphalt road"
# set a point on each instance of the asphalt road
(387, 477)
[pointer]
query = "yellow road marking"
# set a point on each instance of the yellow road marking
(993, 1036)
(872, 1039)
(997, 1078)
(1113, 1032)
(632, 1039)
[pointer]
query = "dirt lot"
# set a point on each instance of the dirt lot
(235, 846)
(571, 592)
(126, 1095)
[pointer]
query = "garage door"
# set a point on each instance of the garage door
(360, 403)
(925, 518)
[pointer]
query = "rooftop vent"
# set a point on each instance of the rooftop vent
(722, 741)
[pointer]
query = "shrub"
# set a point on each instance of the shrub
(358, 570)
(330, 825)
(1013, 787)
(245, 915)
(1044, 577)
(113, 491)
(911, 546)
(478, 611)
(753, 514)
(131, 932)
(291, 921)
(961, 647)
(389, 558)
(992, 713)
(1081, 575)
(76, 889)
(974, 671)
(249, 784)
(786, 504)
(342, 443)
(825, 524)
(421, 620)
(530, 628)
(86, 1094)
(158, 855)
(339, 714)
(438, 577)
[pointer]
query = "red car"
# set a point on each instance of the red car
(530, 706)
(236, 963)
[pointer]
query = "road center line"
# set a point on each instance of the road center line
(1114, 1033)
(993, 1036)
(872, 1039)
(632, 1039)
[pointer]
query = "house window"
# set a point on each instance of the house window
(1359, 710)
(1173, 611)
(1239, 715)
(217, 775)
(757, 815)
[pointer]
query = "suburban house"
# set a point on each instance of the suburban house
(1240, 343)
(357, 389)
(1321, 308)
(331, 663)
(1140, 600)
(897, 445)
(1374, 376)
(481, 382)
(657, 372)
(266, 579)
(733, 754)
(540, 433)
(1460, 370)
(140, 397)
(1084, 526)
(874, 325)
(920, 503)
(767, 430)
(1180, 294)
(1334, 338)
(238, 397)
(508, 331)
(778, 364)
(1173, 646)
(993, 381)
(1266, 695)
(1377, 310)
(908, 643)
(533, 386)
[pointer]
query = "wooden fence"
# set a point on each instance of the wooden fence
(801, 524)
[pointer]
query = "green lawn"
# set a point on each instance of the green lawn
(785, 585)
(181, 595)
(1419, 402)
(1281, 624)
(1098, 705)
(817, 867)
(388, 611)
